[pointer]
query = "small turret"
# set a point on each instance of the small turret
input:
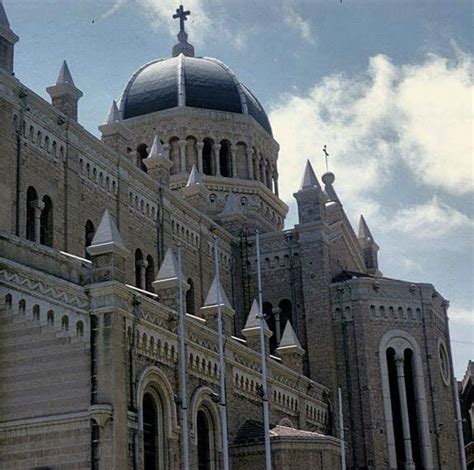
(290, 349)
(8, 39)
(369, 247)
(65, 95)
(108, 252)
(214, 298)
(167, 281)
(157, 163)
(114, 132)
(251, 330)
(195, 192)
(310, 198)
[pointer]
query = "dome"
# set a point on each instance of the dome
(197, 82)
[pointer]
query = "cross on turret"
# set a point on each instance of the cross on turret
(181, 14)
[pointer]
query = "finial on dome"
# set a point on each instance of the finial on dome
(183, 47)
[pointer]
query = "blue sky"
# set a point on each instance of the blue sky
(386, 84)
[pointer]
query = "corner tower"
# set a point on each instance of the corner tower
(8, 39)
(206, 117)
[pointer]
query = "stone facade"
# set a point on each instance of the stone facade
(89, 316)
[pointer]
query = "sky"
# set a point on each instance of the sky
(387, 85)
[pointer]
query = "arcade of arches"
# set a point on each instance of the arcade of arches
(215, 159)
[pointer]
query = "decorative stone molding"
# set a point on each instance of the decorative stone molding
(101, 413)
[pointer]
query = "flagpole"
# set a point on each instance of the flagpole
(222, 398)
(341, 431)
(263, 355)
(182, 366)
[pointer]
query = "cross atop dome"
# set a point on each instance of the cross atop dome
(183, 47)
(181, 14)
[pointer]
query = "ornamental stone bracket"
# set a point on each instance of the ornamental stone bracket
(101, 413)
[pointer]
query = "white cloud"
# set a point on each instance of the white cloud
(417, 114)
(296, 21)
(113, 9)
(432, 220)
(461, 315)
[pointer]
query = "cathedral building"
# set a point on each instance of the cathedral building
(99, 237)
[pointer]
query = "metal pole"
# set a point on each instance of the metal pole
(263, 358)
(222, 401)
(341, 431)
(459, 425)
(182, 367)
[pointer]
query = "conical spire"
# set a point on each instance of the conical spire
(65, 77)
(169, 267)
(114, 113)
(107, 234)
(157, 151)
(309, 178)
(364, 231)
(211, 298)
(252, 320)
(194, 177)
(289, 338)
(3, 17)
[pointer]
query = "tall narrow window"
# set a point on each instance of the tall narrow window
(207, 165)
(396, 408)
(205, 440)
(142, 153)
(153, 431)
(150, 419)
(149, 273)
(412, 408)
(138, 268)
(88, 236)
(225, 160)
(31, 198)
(46, 222)
(286, 314)
(267, 308)
(190, 308)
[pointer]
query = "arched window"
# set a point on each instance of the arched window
(138, 268)
(80, 329)
(31, 199)
(36, 312)
(225, 160)
(190, 306)
(22, 307)
(267, 308)
(8, 303)
(149, 273)
(153, 432)
(46, 222)
(286, 314)
(406, 415)
(50, 317)
(142, 153)
(205, 440)
(207, 161)
(65, 323)
(88, 236)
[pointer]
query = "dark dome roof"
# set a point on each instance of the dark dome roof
(198, 82)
